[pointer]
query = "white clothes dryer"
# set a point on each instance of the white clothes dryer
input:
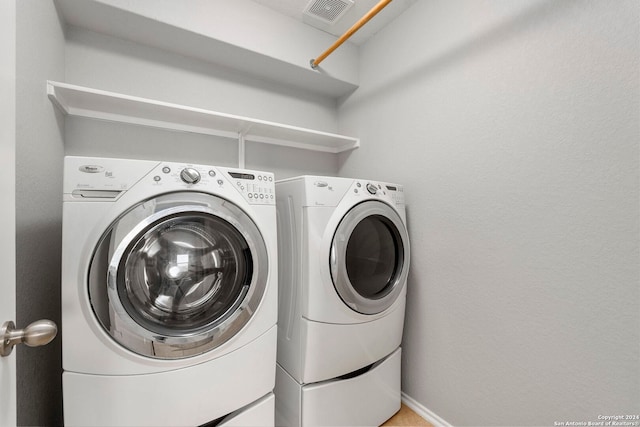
(169, 293)
(344, 259)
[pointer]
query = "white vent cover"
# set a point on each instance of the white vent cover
(328, 11)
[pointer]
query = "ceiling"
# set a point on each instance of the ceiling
(296, 8)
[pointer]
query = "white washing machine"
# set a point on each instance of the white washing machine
(344, 260)
(169, 294)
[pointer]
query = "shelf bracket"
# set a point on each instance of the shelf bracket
(241, 154)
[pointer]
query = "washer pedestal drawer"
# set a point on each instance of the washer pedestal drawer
(190, 396)
(258, 414)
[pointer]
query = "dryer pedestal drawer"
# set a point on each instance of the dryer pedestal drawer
(368, 399)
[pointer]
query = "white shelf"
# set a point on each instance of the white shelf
(99, 104)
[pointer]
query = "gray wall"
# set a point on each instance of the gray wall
(514, 126)
(39, 152)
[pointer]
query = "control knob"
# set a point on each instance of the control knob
(190, 175)
(372, 188)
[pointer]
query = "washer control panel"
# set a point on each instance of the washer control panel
(256, 187)
(186, 175)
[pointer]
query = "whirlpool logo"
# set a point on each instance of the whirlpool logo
(91, 168)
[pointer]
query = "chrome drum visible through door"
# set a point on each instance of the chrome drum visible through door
(178, 275)
(369, 257)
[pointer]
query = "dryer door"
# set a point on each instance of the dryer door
(369, 257)
(178, 275)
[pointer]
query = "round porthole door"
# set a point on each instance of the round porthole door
(369, 258)
(178, 275)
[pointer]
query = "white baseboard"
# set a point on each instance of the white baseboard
(425, 413)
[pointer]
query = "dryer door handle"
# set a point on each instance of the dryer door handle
(40, 332)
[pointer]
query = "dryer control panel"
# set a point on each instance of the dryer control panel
(392, 193)
(396, 192)
(331, 191)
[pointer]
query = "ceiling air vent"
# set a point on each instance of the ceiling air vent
(328, 11)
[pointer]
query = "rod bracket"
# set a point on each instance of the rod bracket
(313, 64)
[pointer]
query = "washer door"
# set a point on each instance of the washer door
(369, 257)
(178, 275)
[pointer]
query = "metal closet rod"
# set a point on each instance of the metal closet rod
(355, 27)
